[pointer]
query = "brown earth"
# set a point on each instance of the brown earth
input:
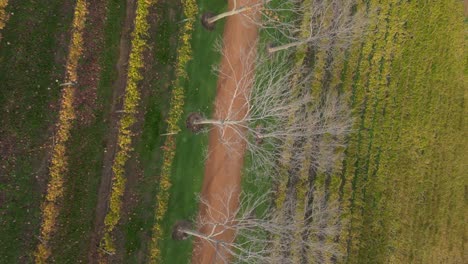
(111, 146)
(224, 163)
(33, 148)
(89, 69)
(11, 146)
(84, 101)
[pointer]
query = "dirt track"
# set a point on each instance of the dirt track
(224, 163)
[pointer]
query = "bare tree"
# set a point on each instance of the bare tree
(273, 111)
(249, 8)
(255, 226)
(326, 21)
(323, 22)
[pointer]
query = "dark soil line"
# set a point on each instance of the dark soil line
(111, 146)
(89, 69)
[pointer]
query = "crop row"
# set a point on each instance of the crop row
(128, 119)
(58, 164)
(184, 54)
(363, 71)
(302, 187)
(379, 86)
(363, 201)
(336, 164)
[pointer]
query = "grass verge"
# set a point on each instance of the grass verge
(187, 167)
(184, 55)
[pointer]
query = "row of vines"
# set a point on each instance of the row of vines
(184, 54)
(368, 88)
(3, 14)
(58, 164)
(400, 183)
(352, 199)
(128, 119)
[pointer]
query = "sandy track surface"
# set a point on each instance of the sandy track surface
(224, 163)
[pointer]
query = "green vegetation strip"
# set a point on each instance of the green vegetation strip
(188, 165)
(128, 119)
(184, 55)
(363, 96)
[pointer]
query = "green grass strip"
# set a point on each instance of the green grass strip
(184, 54)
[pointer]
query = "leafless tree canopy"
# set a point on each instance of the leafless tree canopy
(291, 23)
(278, 112)
(276, 109)
(257, 226)
(318, 23)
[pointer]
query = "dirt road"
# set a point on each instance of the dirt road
(225, 162)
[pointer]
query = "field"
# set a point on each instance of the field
(410, 141)
(401, 184)
(96, 164)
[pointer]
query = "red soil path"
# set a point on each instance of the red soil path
(224, 163)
